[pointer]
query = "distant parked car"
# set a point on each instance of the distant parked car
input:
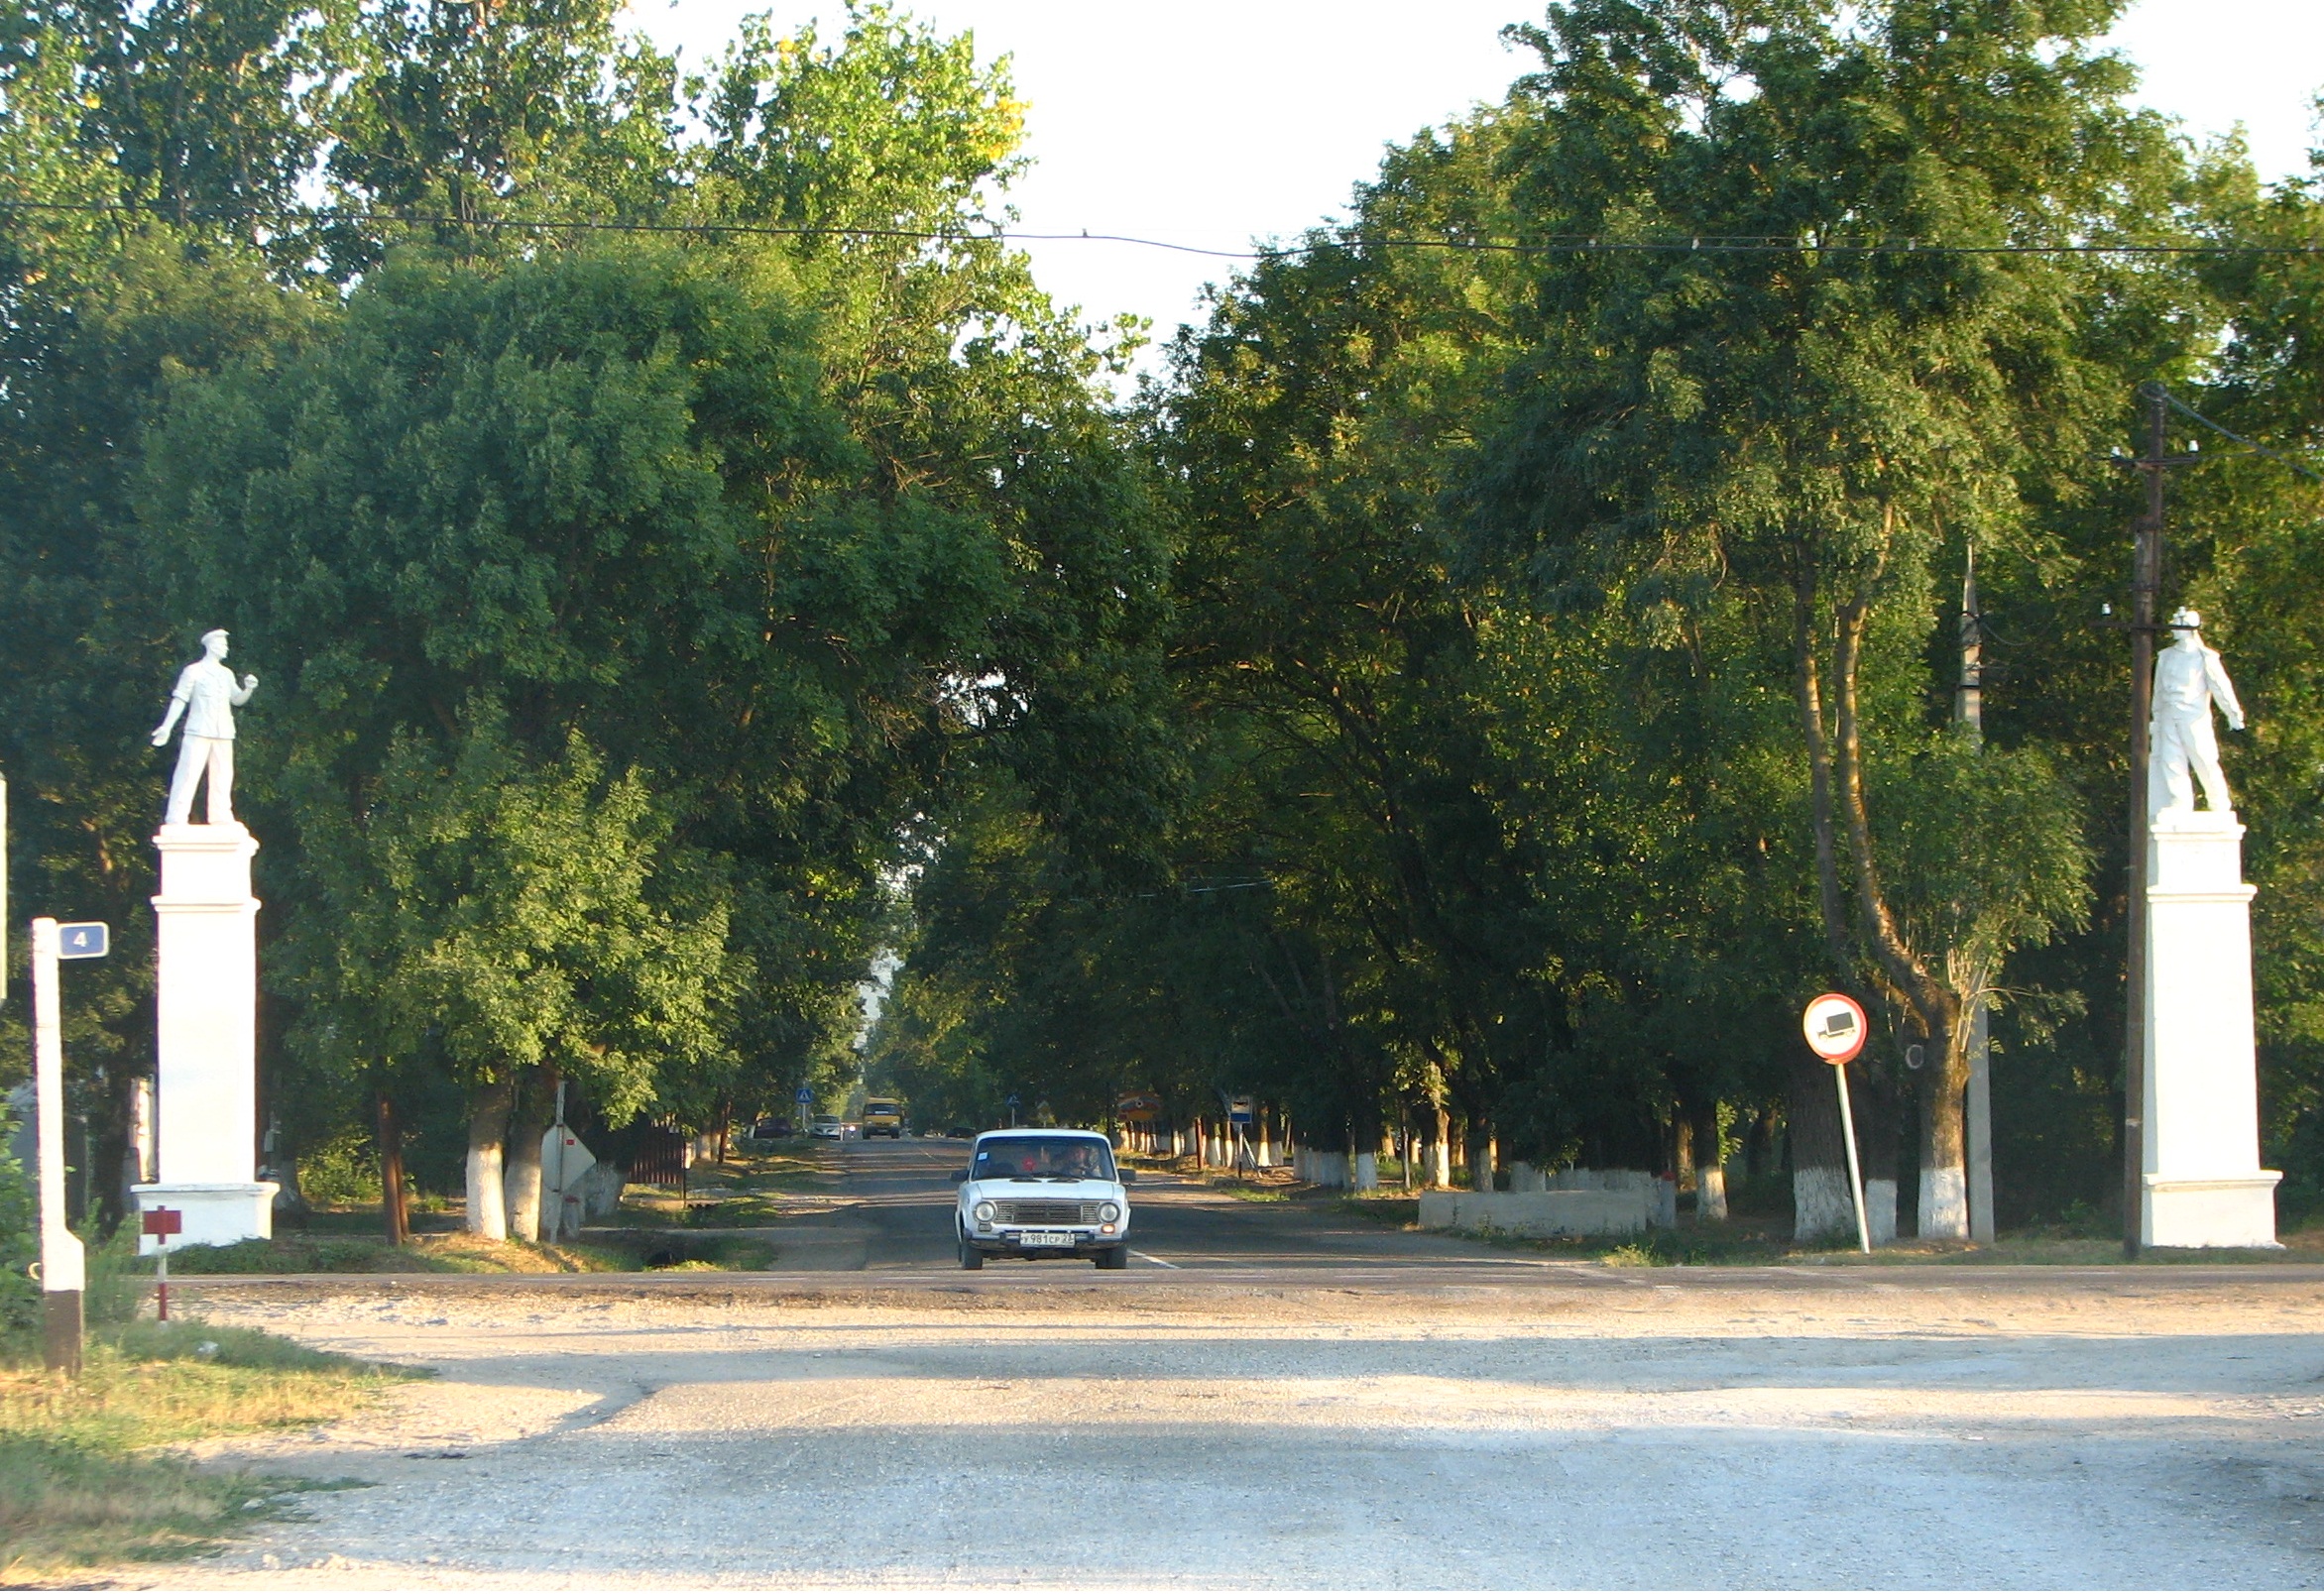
(827, 1127)
(960, 1131)
(771, 1129)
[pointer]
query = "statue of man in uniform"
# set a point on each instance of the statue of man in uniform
(2189, 680)
(208, 696)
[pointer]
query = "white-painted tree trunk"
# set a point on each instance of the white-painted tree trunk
(1367, 1170)
(521, 1191)
(1821, 1207)
(1710, 1194)
(1944, 1205)
(1880, 1211)
(488, 1129)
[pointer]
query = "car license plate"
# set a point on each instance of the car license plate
(1033, 1237)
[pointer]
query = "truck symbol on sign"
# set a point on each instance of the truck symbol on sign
(1840, 1023)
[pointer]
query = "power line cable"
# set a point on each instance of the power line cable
(2202, 419)
(1573, 243)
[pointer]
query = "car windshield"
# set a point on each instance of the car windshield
(1043, 1157)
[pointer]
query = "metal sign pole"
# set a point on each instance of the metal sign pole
(1835, 1029)
(1855, 1174)
(556, 1221)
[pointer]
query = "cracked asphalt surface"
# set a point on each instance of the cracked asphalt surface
(1280, 1397)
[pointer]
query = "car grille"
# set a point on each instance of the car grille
(1048, 1211)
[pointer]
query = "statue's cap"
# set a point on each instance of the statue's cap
(219, 634)
(2186, 620)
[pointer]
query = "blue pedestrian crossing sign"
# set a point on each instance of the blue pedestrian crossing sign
(803, 1096)
(82, 941)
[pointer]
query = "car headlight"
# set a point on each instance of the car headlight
(1110, 1212)
(984, 1211)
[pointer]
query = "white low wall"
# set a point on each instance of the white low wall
(1537, 1215)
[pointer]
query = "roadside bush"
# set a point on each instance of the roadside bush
(115, 1286)
(342, 1171)
(20, 1244)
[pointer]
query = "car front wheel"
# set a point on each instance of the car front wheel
(1114, 1258)
(970, 1258)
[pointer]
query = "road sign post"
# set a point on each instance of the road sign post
(161, 1223)
(64, 1265)
(1836, 1030)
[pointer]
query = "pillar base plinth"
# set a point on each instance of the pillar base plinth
(212, 1214)
(2235, 1212)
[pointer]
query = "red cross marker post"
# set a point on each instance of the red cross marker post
(161, 1223)
(1836, 1030)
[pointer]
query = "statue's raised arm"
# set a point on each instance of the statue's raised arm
(2183, 746)
(207, 695)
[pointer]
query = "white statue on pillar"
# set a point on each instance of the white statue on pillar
(208, 696)
(2189, 680)
(2203, 1185)
(206, 989)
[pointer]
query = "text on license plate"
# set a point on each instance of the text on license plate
(1045, 1237)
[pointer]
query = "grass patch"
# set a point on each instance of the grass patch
(80, 1482)
(349, 1253)
(646, 1248)
(1397, 1212)
(655, 1250)
(1242, 1192)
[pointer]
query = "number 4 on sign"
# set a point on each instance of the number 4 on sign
(82, 941)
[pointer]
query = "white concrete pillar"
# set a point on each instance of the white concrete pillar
(2203, 1183)
(205, 1004)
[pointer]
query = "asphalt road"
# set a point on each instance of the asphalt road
(1280, 1427)
(895, 1204)
(1275, 1396)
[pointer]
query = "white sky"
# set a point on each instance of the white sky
(1214, 122)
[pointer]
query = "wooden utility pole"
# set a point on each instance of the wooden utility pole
(1977, 1115)
(2146, 593)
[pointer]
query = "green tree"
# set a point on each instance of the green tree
(1808, 428)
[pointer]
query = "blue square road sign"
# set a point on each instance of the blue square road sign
(82, 941)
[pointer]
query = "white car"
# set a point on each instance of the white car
(1036, 1192)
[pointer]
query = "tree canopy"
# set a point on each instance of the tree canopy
(1503, 661)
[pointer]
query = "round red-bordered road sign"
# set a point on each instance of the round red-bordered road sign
(1834, 1026)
